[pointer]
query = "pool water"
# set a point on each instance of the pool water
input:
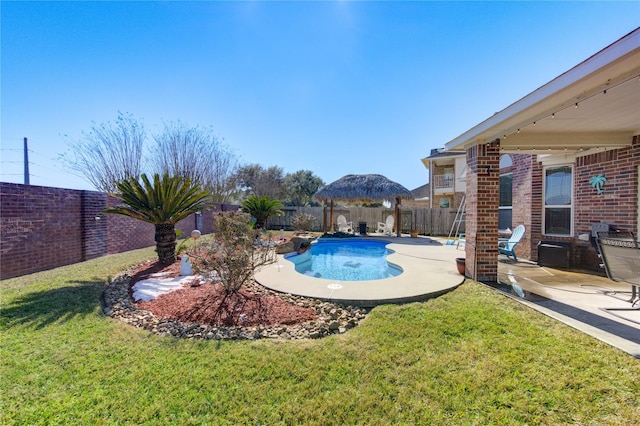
(346, 260)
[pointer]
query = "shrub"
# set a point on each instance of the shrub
(234, 252)
(303, 221)
(337, 235)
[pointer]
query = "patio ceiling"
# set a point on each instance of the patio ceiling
(606, 90)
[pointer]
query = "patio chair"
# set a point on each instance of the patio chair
(387, 226)
(507, 246)
(620, 253)
(343, 225)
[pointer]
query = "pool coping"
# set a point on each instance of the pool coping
(428, 264)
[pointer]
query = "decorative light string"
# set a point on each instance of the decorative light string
(575, 106)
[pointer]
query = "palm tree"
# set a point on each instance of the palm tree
(598, 182)
(163, 204)
(262, 208)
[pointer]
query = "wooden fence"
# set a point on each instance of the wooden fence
(426, 221)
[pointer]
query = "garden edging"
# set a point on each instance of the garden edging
(332, 318)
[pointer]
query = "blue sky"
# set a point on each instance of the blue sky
(333, 87)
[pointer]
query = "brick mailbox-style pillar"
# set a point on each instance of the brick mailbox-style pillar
(483, 194)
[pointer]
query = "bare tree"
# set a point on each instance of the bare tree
(109, 153)
(195, 153)
(222, 182)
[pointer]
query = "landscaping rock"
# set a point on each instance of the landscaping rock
(285, 248)
(332, 318)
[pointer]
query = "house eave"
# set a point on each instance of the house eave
(613, 66)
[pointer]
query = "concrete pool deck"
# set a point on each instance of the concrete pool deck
(429, 270)
(590, 303)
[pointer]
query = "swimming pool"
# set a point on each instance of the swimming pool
(346, 260)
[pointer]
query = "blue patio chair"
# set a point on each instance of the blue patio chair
(507, 246)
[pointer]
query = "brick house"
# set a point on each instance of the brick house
(560, 159)
(447, 171)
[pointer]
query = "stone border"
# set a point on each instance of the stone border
(332, 318)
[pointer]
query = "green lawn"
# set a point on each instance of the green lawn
(468, 357)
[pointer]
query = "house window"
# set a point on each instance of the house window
(505, 208)
(558, 200)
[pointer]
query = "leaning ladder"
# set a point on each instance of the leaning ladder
(455, 227)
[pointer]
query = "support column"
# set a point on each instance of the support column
(483, 194)
(396, 224)
(331, 229)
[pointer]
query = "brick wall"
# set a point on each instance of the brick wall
(618, 204)
(93, 227)
(124, 233)
(33, 239)
(523, 200)
(43, 228)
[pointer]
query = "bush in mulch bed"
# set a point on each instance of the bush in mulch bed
(337, 235)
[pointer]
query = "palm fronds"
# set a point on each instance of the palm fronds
(165, 201)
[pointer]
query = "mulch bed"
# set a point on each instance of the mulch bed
(208, 303)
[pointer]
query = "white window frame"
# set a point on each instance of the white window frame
(544, 197)
(507, 161)
(511, 206)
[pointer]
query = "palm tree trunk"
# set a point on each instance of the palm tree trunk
(166, 243)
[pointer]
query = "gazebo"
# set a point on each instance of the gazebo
(365, 189)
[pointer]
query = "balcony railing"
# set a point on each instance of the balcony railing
(443, 182)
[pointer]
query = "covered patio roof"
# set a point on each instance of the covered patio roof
(592, 107)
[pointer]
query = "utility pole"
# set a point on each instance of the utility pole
(26, 162)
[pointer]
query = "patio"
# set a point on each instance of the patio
(593, 304)
(590, 303)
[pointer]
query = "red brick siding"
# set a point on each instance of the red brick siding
(618, 204)
(522, 200)
(483, 181)
(43, 228)
(536, 207)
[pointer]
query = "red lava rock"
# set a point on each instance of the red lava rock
(208, 303)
